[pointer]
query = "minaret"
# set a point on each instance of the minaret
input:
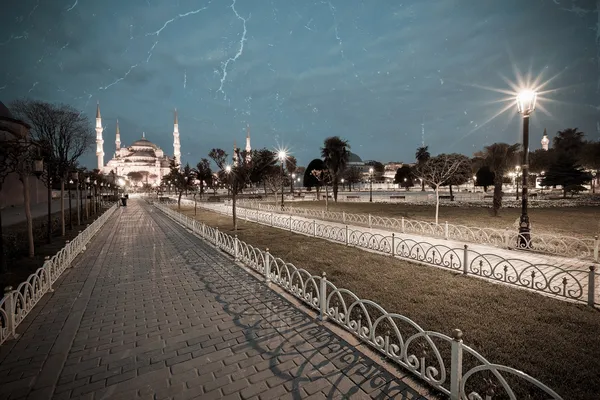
(118, 138)
(99, 141)
(176, 144)
(545, 141)
(235, 155)
(248, 148)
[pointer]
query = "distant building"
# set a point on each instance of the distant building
(141, 156)
(545, 141)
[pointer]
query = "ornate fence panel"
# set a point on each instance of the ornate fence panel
(567, 246)
(17, 304)
(431, 356)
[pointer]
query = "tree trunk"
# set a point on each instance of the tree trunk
(326, 198)
(318, 192)
(437, 203)
(234, 211)
(265, 187)
(335, 189)
(62, 207)
(27, 203)
(451, 195)
(179, 200)
(422, 186)
(49, 233)
(497, 202)
(564, 192)
(78, 201)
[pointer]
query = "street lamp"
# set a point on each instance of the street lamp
(343, 188)
(517, 171)
(525, 105)
(282, 156)
(228, 172)
(474, 182)
(370, 185)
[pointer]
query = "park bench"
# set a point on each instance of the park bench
(446, 197)
(397, 197)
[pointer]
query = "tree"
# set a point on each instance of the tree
(181, 179)
(352, 175)
(566, 173)
(262, 161)
(590, 158)
(461, 175)
(498, 156)
(540, 160)
(310, 180)
(436, 172)
(335, 156)
(422, 155)
(64, 133)
(324, 178)
(404, 177)
(204, 174)
(290, 167)
(484, 177)
(378, 169)
(570, 142)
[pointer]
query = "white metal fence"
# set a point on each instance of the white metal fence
(432, 356)
(16, 304)
(567, 246)
(571, 284)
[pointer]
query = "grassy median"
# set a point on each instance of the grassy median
(554, 341)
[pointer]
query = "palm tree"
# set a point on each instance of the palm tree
(335, 157)
(422, 155)
(498, 157)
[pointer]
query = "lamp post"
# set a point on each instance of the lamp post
(282, 156)
(228, 172)
(474, 182)
(343, 188)
(517, 170)
(525, 105)
(70, 207)
(75, 178)
(370, 185)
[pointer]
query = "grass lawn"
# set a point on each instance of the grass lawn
(554, 341)
(571, 221)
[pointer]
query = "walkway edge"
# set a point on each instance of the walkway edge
(43, 387)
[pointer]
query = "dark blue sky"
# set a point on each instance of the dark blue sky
(377, 73)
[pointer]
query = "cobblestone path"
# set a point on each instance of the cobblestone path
(150, 311)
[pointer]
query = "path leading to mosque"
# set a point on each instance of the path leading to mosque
(151, 311)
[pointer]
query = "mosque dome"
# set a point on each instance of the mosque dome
(354, 158)
(143, 142)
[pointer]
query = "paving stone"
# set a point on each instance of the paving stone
(162, 314)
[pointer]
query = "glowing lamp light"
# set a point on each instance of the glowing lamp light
(526, 101)
(228, 168)
(282, 155)
(370, 170)
(121, 182)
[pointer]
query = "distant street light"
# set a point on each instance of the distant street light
(343, 185)
(370, 185)
(292, 183)
(526, 100)
(282, 155)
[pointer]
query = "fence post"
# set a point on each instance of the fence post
(217, 236)
(456, 365)
(268, 267)
(465, 260)
(591, 286)
(314, 228)
(369, 220)
(46, 266)
(344, 217)
(271, 218)
(290, 223)
(10, 311)
(446, 231)
(68, 248)
(235, 248)
(403, 230)
(346, 235)
(507, 238)
(323, 298)
(322, 214)
(596, 246)
(393, 245)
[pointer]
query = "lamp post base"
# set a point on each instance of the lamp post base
(524, 232)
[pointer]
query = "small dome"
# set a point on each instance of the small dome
(354, 158)
(143, 142)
